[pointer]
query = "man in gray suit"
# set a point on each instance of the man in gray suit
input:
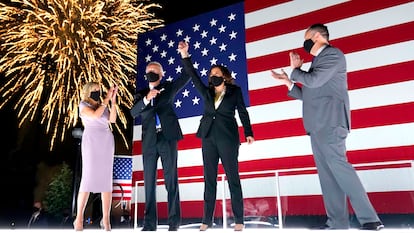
(327, 120)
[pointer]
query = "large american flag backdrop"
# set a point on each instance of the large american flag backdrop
(253, 37)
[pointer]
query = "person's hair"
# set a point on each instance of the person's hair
(86, 90)
(226, 74)
(321, 28)
(157, 64)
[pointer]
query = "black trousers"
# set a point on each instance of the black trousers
(167, 150)
(213, 150)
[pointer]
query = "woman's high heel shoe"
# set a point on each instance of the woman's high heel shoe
(238, 227)
(203, 227)
(77, 227)
(106, 228)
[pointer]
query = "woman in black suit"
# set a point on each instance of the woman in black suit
(218, 130)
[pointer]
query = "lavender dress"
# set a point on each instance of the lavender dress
(98, 148)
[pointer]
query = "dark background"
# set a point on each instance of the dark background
(25, 157)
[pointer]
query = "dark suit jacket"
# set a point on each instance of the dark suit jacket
(223, 116)
(324, 91)
(164, 107)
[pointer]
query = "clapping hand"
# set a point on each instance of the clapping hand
(111, 94)
(282, 77)
(114, 94)
(295, 60)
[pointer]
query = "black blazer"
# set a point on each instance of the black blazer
(164, 107)
(224, 116)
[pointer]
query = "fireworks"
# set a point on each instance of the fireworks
(50, 48)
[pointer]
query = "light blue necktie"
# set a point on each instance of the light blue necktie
(157, 122)
(157, 119)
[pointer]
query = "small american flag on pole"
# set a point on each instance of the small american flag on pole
(122, 181)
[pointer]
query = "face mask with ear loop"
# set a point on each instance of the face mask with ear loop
(308, 44)
(95, 95)
(216, 81)
(151, 77)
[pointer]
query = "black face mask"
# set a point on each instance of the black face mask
(95, 95)
(216, 81)
(308, 44)
(151, 77)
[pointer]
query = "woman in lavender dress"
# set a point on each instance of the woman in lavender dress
(98, 148)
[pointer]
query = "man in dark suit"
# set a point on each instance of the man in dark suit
(327, 120)
(160, 133)
(39, 217)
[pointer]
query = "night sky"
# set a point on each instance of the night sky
(25, 149)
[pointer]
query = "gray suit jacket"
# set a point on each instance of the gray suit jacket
(324, 91)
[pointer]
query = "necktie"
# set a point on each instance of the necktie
(157, 123)
(157, 119)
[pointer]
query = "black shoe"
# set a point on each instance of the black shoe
(173, 228)
(373, 226)
(326, 227)
(323, 227)
(148, 229)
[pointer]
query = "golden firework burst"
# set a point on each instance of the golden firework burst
(50, 48)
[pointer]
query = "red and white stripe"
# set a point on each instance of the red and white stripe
(377, 38)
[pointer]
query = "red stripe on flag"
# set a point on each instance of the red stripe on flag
(268, 95)
(384, 115)
(253, 5)
(136, 147)
(381, 75)
(277, 129)
(381, 154)
(119, 191)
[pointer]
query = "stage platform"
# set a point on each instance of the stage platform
(398, 224)
(212, 230)
(215, 229)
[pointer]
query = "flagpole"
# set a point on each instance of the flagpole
(77, 135)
